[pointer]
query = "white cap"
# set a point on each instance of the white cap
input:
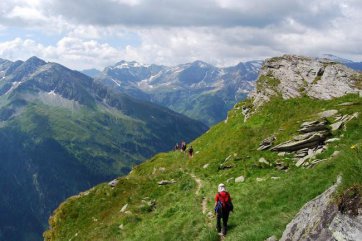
(221, 188)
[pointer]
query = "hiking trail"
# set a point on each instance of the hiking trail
(197, 192)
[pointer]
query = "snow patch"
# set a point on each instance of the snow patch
(116, 82)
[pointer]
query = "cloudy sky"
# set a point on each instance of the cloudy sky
(96, 33)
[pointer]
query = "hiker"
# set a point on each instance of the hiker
(177, 147)
(223, 206)
(183, 146)
(191, 151)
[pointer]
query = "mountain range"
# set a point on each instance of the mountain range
(198, 89)
(290, 156)
(61, 132)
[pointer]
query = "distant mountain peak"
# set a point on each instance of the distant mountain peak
(336, 58)
(128, 64)
(35, 60)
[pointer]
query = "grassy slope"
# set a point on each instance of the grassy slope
(261, 208)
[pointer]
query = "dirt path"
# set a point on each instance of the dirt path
(197, 192)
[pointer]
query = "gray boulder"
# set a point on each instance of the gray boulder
(166, 182)
(320, 220)
(266, 143)
(312, 126)
(327, 113)
(307, 140)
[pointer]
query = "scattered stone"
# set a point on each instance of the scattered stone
(264, 161)
(258, 179)
(240, 179)
(347, 104)
(275, 178)
(121, 227)
(166, 182)
(162, 169)
(246, 112)
(225, 166)
(128, 212)
(210, 215)
(266, 143)
(335, 153)
(332, 140)
(113, 183)
(123, 209)
(206, 166)
(343, 120)
(272, 238)
(282, 154)
(337, 125)
(94, 219)
(230, 179)
(281, 166)
(227, 158)
(327, 113)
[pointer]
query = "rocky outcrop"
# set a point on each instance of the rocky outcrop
(293, 76)
(320, 220)
(299, 142)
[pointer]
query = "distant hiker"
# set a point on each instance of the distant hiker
(223, 206)
(191, 151)
(183, 146)
(177, 147)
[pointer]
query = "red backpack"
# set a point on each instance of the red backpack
(225, 201)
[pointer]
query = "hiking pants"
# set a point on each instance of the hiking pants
(224, 216)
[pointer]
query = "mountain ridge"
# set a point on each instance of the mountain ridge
(62, 133)
(268, 187)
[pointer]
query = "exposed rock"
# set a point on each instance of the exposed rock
(264, 161)
(345, 227)
(240, 179)
(335, 153)
(246, 112)
(282, 154)
(230, 179)
(123, 209)
(259, 179)
(121, 226)
(266, 143)
(307, 140)
(292, 76)
(312, 126)
(275, 178)
(313, 220)
(332, 140)
(113, 183)
(281, 166)
(225, 166)
(347, 104)
(166, 182)
(128, 212)
(206, 165)
(343, 120)
(327, 113)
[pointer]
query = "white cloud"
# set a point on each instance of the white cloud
(91, 33)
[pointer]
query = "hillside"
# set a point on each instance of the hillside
(198, 89)
(62, 133)
(268, 186)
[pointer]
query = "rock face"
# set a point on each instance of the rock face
(294, 76)
(320, 220)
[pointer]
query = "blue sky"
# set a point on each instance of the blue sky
(97, 33)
